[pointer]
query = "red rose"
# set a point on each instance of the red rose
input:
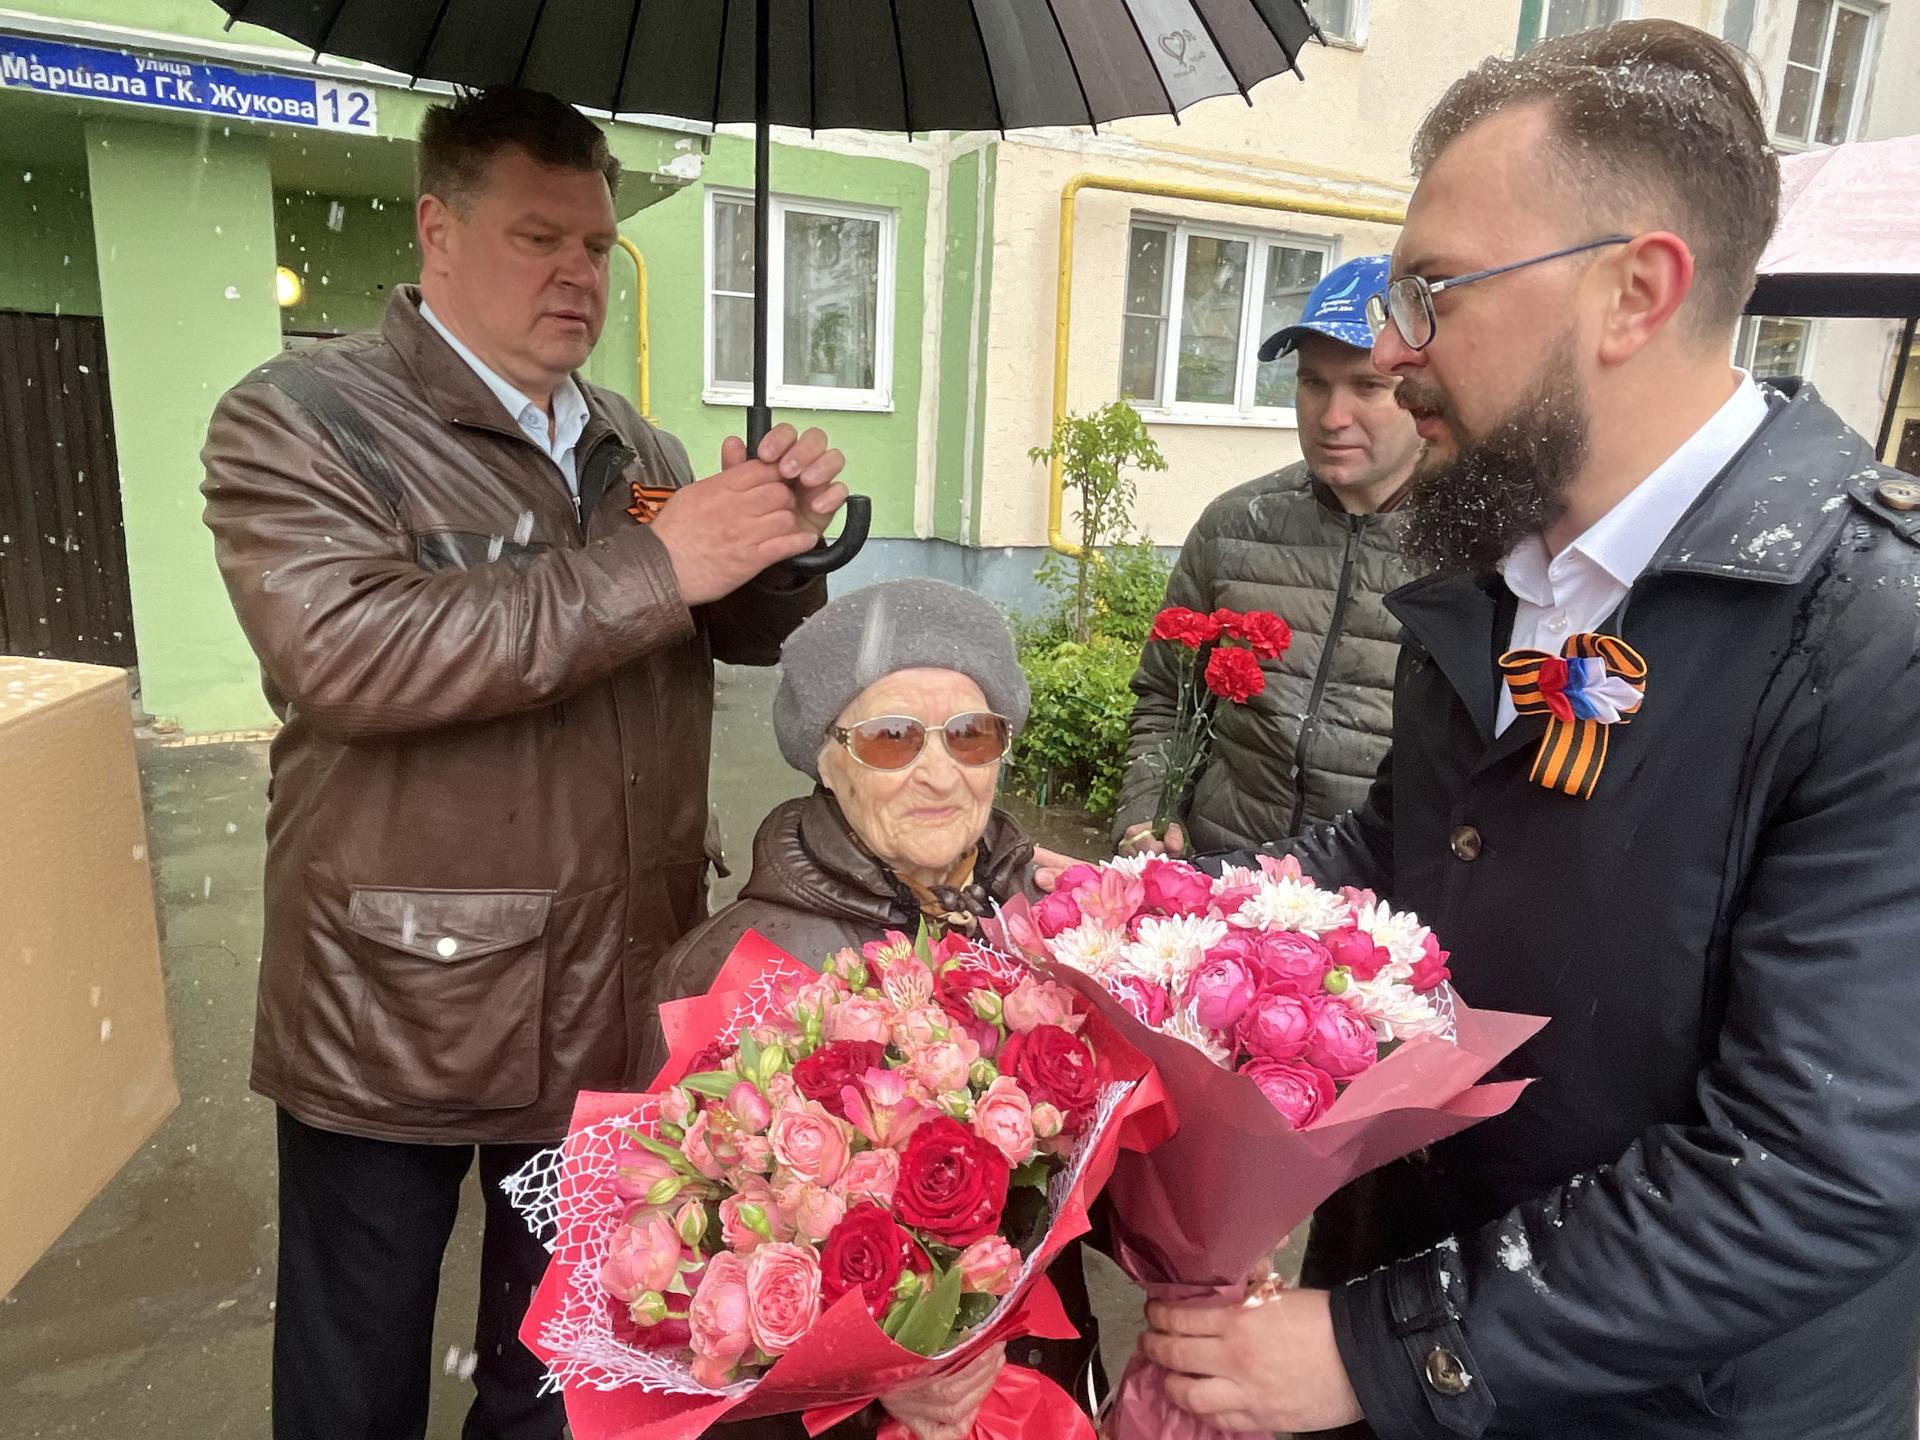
(1268, 636)
(1430, 970)
(712, 1058)
(1188, 627)
(1359, 953)
(1053, 1066)
(953, 987)
(867, 1251)
(953, 1184)
(822, 1074)
(1233, 674)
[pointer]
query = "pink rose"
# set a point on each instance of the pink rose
(1057, 912)
(988, 1267)
(643, 1254)
(1221, 990)
(783, 1295)
(676, 1106)
(719, 1320)
(920, 1027)
(696, 1147)
(1278, 1024)
(637, 1171)
(1141, 998)
(1173, 887)
(1076, 878)
(749, 1107)
(1355, 950)
(1048, 1122)
(870, 1175)
(1430, 970)
(741, 1237)
(858, 1018)
(818, 997)
(1035, 1002)
(943, 1066)
(1289, 959)
(1114, 901)
(1003, 1117)
(815, 1211)
(752, 1155)
(812, 1144)
(1299, 1092)
(1341, 1042)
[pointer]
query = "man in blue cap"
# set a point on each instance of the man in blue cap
(1314, 542)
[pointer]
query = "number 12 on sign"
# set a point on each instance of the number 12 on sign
(345, 107)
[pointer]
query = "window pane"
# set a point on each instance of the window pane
(1147, 271)
(1809, 32)
(1291, 275)
(732, 340)
(732, 245)
(1796, 103)
(832, 300)
(1142, 345)
(1779, 347)
(1569, 17)
(1335, 17)
(1845, 62)
(1213, 295)
(1738, 29)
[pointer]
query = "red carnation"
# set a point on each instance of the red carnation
(867, 1251)
(1056, 1067)
(1234, 674)
(953, 1184)
(822, 1074)
(1267, 635)
(1189, 627)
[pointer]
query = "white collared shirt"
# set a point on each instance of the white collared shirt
(558, 441)
(1580, 587)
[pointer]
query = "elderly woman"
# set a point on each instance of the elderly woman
(902, 701)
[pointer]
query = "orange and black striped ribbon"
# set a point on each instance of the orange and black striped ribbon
(647, 502)
(1573, 751)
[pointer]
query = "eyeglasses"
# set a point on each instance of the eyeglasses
(1408, 301)
(893, 742)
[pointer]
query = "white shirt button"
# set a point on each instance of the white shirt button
(1558, 622)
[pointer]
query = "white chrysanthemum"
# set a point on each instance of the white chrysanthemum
(1166, 950)
(1088, 947)
(1401, 935)
(1394, 1011)
(1235, 877)
(1129, 865)
(1184, 1025)
(1289, 904)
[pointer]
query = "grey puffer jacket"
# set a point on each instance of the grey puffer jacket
(1304, 750)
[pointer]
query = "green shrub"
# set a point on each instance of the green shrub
(1074, 747)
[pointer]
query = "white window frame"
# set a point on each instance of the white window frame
(1362, 23)
(1629, 10)
(1165, 409)
(779, 393)
(1747, 337)
(1875, 17)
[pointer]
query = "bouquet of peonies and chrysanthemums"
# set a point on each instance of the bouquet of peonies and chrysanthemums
(1304, 1036)
(845, 1181)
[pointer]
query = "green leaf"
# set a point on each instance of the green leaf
(1036, 1172)
(923, 944)
(973, 1310)
(896, 1315)
(749, 1054)
(714, 1084)
(926, 1328)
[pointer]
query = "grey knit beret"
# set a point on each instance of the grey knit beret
(869, 634)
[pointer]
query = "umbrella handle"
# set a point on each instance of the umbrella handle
(828, 558)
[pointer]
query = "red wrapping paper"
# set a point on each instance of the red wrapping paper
(845, 1361)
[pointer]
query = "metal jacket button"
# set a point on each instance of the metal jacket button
(1445, 1373)
(1466, 842)
(1899, 494)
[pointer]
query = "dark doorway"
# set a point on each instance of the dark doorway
(1909, 457)
(63, 549)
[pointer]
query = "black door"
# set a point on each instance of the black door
(63, 550)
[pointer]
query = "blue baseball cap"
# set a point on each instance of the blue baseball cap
(1337, 307)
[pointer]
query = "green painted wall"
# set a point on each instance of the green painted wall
(963, 334)
(349, 252)
(186, 249)
(881, 449)
(46, 243)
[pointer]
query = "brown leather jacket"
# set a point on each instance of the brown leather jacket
(813, 890)
(488, 806)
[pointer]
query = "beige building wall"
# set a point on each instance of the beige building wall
(1340, 136)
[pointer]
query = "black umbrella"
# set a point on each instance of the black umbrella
(896, 65)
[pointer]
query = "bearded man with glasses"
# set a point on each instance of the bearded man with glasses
(1655, 775)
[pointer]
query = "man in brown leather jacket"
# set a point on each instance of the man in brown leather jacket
(486, 598)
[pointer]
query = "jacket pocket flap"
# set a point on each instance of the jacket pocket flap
(449, 925)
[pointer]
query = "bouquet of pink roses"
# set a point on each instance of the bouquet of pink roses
(1304, 1036)
(845, 1182)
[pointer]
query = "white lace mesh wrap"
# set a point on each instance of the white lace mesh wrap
(563, 1195)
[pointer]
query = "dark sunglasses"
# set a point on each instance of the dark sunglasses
(893, 742)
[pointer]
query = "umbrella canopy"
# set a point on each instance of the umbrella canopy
(1849, 236)
(895, 65)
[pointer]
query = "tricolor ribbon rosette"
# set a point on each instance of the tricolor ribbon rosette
(1596, 682)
